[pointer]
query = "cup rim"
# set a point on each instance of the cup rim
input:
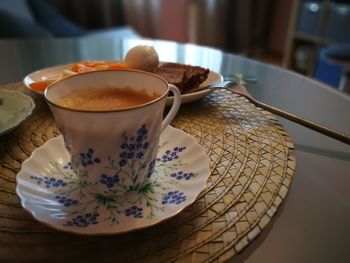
(106, 111)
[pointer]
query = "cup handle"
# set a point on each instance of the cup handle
(174, 108)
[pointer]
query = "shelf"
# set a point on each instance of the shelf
(314, 22)
(311, 39)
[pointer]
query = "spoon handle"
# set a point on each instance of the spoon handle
(300, 120)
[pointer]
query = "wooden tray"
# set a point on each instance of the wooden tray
(252, 166)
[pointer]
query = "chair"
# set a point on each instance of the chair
(36, 18)
(333, 66)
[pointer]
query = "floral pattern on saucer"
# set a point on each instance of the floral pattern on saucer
(51, 191)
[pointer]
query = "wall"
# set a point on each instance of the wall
(279, 26)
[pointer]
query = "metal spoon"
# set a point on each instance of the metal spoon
(238, 88)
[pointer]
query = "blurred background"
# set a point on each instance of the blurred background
(309, 37)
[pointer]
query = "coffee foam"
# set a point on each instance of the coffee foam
(106, 98)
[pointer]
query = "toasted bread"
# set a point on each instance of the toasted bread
(185, 77)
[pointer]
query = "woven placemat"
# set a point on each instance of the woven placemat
(252, 166)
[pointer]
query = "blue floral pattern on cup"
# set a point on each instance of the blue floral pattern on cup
(83, 202)
(133, 149)
(88, 159)
(134, 146)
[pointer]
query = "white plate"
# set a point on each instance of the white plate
(56, 72)
(51, 192)
(213, 77)
(15, 107)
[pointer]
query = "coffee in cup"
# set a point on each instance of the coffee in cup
(106, 98)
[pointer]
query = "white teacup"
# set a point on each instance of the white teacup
(113, 150)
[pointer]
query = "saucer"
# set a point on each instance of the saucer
(52, 193)
(15, 107)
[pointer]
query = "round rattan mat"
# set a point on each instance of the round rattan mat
(252, 165)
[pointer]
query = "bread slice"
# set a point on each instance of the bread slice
(185, 77)
(176, 77)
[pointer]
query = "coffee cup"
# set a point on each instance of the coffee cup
(112, 149)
